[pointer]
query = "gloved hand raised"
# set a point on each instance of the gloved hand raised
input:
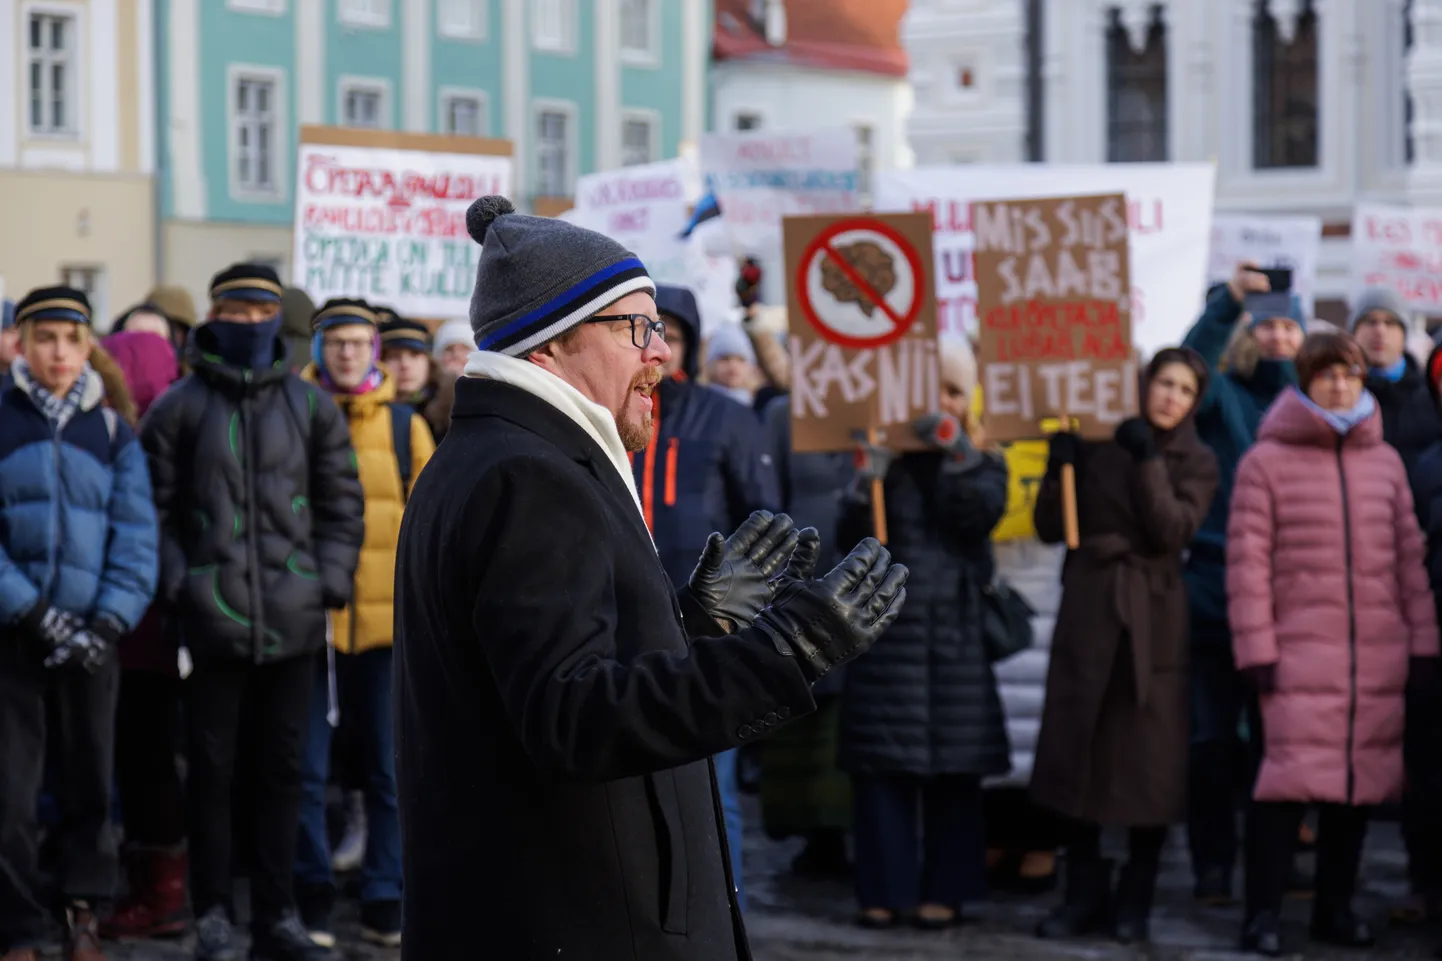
(734, 579)
(828, 622)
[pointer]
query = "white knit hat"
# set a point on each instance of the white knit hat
(453, 332)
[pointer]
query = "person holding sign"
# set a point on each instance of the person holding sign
(1112, 748)
(1332, 617)
(1248, 335)
(921, 720)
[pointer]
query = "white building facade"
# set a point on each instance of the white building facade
(1304, 106)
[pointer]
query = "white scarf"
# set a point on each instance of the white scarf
(598, 422)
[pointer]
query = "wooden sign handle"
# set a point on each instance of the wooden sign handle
(878, 497)
(1068, 494)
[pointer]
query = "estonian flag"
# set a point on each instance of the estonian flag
(707, 208)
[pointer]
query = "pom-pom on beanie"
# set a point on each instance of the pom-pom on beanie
(539, 277)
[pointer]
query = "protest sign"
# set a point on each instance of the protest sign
(382, 215)
(1269, 242)
(645, 209)
(1169, 210)
(862, 320)
(1400, 248)
(1053, 284)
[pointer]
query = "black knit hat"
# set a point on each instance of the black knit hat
(397, 331)
(54, 303)
(253, 282)
(340, 311)
(538, 277)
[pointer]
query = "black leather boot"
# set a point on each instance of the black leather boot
(1135, 889)
(1086, 902)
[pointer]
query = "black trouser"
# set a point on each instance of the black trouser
(1015, 823)
(233, 706)
(1272, 828)
(147, 741)
(1144, 844)
(75, 712)
(1422, 803)
(1221, 766)
(949, 869)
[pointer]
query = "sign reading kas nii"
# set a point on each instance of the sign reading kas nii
(382, 215)
(862, 318)
(1054, 314)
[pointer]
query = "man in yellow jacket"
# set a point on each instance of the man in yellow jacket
(392, 443)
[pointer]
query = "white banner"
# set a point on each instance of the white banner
(389, 225)
(1400, 248)
(1270, 242)
(644, 208)
(1169, 210)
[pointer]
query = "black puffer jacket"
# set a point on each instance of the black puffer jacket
(1409, 415)
(923, 700)
(260, 507)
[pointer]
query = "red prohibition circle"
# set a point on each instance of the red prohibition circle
(823, 239)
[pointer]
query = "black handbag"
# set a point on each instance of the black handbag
(1005, 621)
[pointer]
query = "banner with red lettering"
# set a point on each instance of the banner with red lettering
(1400, 248)
(1169, 212)
(644, 207)
(382, 215)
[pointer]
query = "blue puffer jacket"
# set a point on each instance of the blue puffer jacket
(1227, 420)
(707, 466)
(77, 525)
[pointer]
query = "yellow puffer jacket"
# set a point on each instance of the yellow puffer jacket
(369, 621)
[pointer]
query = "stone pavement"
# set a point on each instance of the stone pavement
(803, 920)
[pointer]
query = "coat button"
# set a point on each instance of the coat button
(745, 731)
(783, 712)
(771, 719)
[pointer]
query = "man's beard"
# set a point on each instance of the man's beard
(635, 438)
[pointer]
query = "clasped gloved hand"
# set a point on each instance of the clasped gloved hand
(733, 581)
(1134, 435)
(88, 647)
(829, 621)
(51, 626)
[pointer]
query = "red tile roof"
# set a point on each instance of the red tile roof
(831, 34)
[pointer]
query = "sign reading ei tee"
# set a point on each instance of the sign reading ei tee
(382, 215)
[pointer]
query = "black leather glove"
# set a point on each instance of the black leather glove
(1062, 449)
(1261, 677)
(733, 580)
(1134, 435)
(802, 566)
(828, 622)
(51, 626)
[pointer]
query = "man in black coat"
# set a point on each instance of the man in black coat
(1410, 422)
(260, 513)
(557, 703)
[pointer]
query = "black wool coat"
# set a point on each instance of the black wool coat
(1410, 422)
(923, 701)
(554, 720)
(260, 507)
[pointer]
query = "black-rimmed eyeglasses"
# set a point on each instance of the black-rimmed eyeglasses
(643, 327)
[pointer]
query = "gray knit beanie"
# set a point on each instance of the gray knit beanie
(1377, 298)
(538, 277)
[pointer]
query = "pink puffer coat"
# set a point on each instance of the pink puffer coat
(1325, 579)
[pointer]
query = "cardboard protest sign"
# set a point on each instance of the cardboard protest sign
(1400, 248)
(1169, 210)
(1053, 280)
(862, 318)
(382, 215)
(1269, 242)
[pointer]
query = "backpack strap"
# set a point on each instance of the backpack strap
(401, 415)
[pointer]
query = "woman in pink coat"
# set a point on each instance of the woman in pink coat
(1330, 609)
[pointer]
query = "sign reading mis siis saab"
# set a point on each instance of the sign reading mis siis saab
(382, 215)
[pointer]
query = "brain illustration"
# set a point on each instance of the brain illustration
(870, 261)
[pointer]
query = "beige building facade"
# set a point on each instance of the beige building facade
(77, 148)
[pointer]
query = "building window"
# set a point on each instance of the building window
(1284, 90)
(553, 152)
(274, 7)
(90, 280)
(1136, 93)
(638, 139)
(52, 73)
(363, 104)
(253, 128)
(1409, 146)
(638, 31)
(865, 162)
(463, 19)
(365, 13)
(748, 121)
(553, 25)
(464, 114)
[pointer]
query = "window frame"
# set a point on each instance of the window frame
(446, 95)
(1117, 37)
(482, 12)
(648, 57)
(97, 294)
(571, 112)
(278, 191)
(264, 8)
(349, 83)
(75, 74)
(569, 16)
(652, 120)
(1264, 125)
(350, 14)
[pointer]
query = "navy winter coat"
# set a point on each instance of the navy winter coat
(77, 526)
(707, 466)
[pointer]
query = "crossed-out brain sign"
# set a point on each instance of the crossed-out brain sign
(857, 283)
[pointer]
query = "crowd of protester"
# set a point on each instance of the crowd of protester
(198, 525)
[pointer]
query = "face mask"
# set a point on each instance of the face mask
(245, 345)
